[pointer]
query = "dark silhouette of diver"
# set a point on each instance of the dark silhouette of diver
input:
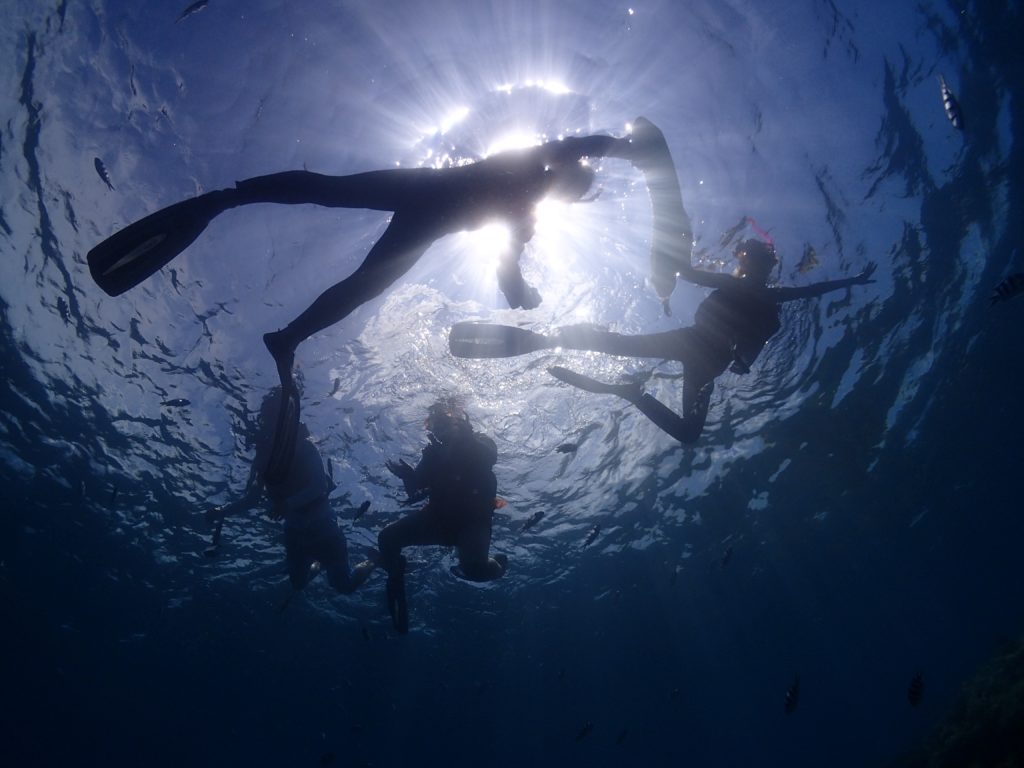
(312, 539)
(455, 474)
(428, 204)
(730, 328)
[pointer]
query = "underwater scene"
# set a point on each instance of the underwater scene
(512, 383)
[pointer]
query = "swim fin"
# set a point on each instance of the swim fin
(285, 435)
(578, 380)
(488, 340)
(129, 256)
(672, 239)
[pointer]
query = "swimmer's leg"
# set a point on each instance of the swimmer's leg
(418, 528)
(398, 249)
(668, 345)
(331, 550)
(475, 563)
(697, 391)
(388, 190)
(686, 428)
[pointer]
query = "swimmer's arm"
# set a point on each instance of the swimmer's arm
(819, 289)
(714, 280)
(574, 148)
(415, 479)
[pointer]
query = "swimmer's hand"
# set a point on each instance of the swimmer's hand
(865, 277)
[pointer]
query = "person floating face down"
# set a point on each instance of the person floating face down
(427, 204)
(456, 477)
(312, 539)
(730, 328)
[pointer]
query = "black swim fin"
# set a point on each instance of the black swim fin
(672, 239)
(129, 256)
(487, 340)
(578, 380)
(285, 436)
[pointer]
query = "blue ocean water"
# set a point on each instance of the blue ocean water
(850, 514)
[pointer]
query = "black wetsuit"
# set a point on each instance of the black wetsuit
(730, 328)
(428, 204)
(457, 479)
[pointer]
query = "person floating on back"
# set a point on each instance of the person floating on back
(427, 203)
(456, 477)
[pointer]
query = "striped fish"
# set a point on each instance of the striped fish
(951, 105)
(1008, 288)
(101, 171)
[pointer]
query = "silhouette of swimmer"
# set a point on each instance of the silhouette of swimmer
(312, 539)
(730, 328)
(455, 474)
(427, 203)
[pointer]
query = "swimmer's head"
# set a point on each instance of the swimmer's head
(446, 418)
(756, 259)
(569, 182)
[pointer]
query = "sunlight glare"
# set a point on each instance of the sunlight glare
(514, 140)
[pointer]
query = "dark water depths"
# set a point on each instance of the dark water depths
(864, 478)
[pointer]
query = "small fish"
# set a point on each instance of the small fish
(951, 105)
(622, 736)
(1008, 288)
(101, 169)
(594, 532)
(335, 388)
(585, 731)
(535, 518)
(726, 557)
(916, 689)
(793, 695)
(675, 693)
(177, 402)
(809, 260)
(674, 577)
(62, 307)
(567, 448)
(194, 8)
(113, 495)
(361, 511)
